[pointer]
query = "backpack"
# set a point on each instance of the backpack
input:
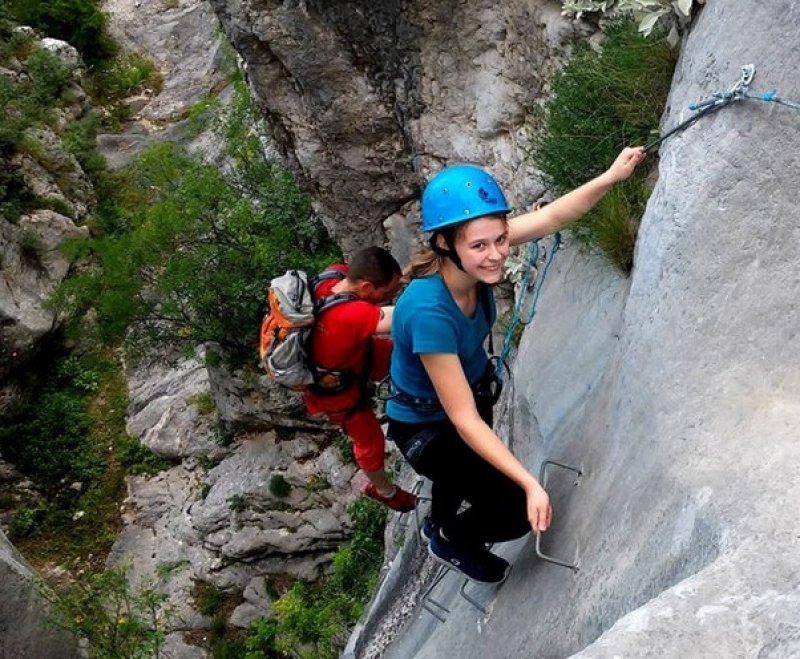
(287, 327)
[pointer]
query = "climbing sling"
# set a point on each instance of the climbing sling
(740, 91)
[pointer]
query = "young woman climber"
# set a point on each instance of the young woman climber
(440, 414)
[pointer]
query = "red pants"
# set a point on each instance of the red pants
(361, 424)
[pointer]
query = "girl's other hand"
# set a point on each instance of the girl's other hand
(540, 512)
(625, 163)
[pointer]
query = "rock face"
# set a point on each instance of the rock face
(182, 40)
(230, 514)
(32, 266)
(31, 261)
(24, 631)
(677, 393)
(366, 98)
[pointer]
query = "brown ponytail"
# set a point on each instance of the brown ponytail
(423, 263)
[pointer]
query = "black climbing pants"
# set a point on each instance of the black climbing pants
(498, 506)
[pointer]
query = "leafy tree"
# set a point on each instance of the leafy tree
(190, 258)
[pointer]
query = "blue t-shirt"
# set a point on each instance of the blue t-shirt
(428, 320)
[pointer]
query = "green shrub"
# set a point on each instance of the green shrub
(14, 43)
(202, 493)
(112, 82)
(223, 435)
(213, 359)
(72, 432)
(237, 503)
(344, 446)
(203, 402)
(611, 228)
(27, 520)
(279, 486)
(49, 77)
(202, 246)
(208, 598)
(137, 459)
(114, 620)
(81, 23)
(318, 483)
(31, 245)
(669, 15)
(166, 569)
(125, 76)
(260, 642)
(49, 443)
(602, 102)
(313, 621)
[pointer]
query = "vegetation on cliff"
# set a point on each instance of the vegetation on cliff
(604, 100)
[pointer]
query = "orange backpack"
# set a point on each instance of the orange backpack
(287, 327)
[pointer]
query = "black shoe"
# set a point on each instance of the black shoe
(473, 562)
(429, 529)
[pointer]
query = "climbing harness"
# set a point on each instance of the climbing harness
(740, 91)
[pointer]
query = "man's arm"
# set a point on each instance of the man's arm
(385, 321)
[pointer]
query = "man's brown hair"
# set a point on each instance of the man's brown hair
(375, 265)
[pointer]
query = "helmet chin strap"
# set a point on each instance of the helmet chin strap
(450, 252)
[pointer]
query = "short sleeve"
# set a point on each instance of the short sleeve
(433, 330)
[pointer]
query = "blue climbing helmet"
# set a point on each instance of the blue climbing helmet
(459, 193)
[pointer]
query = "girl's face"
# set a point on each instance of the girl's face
(483, 248)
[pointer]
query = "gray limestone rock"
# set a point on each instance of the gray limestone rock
(31, 266)
(248, 401)
(64, 51)
(257, 604)
(225, 526)
(172, 410)
(24, 630)
(185, 45)
(54, 175)
(391, 91)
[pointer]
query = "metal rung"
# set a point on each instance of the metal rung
(435, 607)
(403, 524)
(415, 490)
(432, 606)
(543, 480)
(471, 600)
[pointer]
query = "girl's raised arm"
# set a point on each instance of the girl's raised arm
(557, 214)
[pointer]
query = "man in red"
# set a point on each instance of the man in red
(344, 341)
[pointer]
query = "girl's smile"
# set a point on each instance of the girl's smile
(483, 248)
